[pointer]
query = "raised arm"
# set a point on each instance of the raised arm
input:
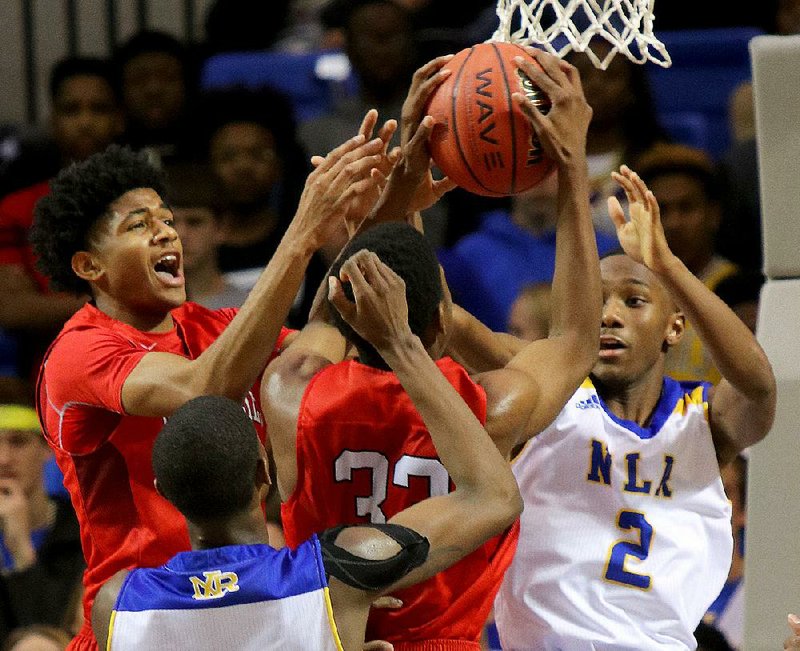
(742, 405)
(527, 394)
(161, 382)
(486, 499)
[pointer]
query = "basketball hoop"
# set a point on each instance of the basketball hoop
(561, 26)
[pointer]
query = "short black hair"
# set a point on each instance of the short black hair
(663, 159)
(82, 67)
(337, 13)
(741, 287)
(79, 196)
(266, 107)
(406, 251)
(205, 458)
(147, 41)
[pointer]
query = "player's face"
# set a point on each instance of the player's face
(138, 254)
(86, 118)
(22, 456)
(639, 322)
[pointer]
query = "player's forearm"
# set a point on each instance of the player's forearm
(231, 364)
(477, 347)
(576, 289)
(735, 351)
(472, 460)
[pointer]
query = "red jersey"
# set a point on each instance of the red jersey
(105, 453)
(16, 219)
(363, 455)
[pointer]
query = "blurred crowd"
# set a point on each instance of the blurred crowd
(235, 161)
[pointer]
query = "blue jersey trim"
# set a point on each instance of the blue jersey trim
(671, 392)
(721, 602)
(263, 573)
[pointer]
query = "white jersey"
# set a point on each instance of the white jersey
(626, 535)
(243, 597)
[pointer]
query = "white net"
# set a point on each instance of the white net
(560, 26)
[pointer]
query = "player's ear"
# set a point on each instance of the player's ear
(677, 326)
(158, 488)
(262, 477)
(262, 473)
(86, 266)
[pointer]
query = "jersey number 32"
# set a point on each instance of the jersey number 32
(407, 466)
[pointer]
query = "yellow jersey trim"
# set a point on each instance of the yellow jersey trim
(693, 398)
(331, 620)
(110, 629)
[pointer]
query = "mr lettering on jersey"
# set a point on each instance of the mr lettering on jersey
(600, 464)
(214, 585)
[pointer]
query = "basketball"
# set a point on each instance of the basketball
(482, 139)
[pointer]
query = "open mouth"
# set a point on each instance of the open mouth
(610, 346)
(168, 269)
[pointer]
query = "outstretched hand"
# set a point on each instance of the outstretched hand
(642, 237)
(562, 132)
(411, 181)
(343, 179)
(379, 311)
(362, 203)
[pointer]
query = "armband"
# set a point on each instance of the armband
(372, 575)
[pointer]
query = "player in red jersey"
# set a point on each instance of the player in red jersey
(137, 351)
(348, 444)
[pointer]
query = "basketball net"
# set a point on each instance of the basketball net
(561, 26)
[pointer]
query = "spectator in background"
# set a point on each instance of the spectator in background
(486, 270)
(40, 552)
(624, 123)
(685, 183)
(157, 79)
(380, 45)
(190, 192)
(85, 119)
(259, 168)
(243, 25)
(529, 318)
(379, 40)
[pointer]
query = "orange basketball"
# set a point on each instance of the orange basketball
(482, 140)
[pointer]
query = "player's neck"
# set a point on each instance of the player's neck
(246, 528)
(636, 400)
(153, 321)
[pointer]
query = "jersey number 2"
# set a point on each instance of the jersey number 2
(615, 567)
(407, 466)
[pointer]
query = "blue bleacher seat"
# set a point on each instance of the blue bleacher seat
(312, 81)
(707, 65)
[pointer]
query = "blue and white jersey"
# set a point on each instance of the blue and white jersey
(243, 597)
(626, 535)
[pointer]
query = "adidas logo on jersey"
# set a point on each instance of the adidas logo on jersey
(592, 402)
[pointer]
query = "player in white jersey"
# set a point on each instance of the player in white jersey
(234, 591)
(626, 534)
